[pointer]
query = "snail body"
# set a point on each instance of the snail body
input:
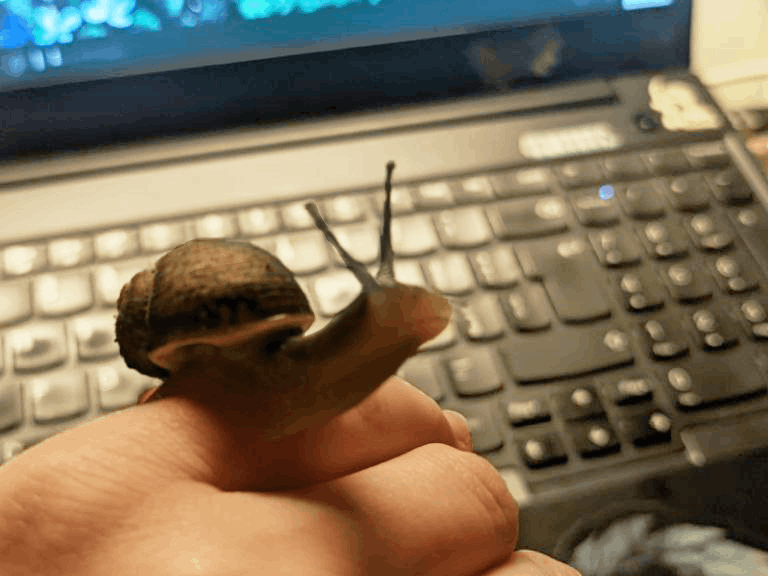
(243, 307)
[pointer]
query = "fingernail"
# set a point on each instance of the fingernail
(464, 440)
(419, 389)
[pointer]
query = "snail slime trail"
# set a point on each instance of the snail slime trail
(233, 315)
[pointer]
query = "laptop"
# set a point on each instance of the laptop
(559, 174)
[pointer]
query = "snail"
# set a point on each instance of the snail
(238, 309)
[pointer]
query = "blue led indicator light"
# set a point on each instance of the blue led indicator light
(605, 192)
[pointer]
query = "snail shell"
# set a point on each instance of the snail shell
(207, 292)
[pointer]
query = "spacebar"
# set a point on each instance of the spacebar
(566, 353)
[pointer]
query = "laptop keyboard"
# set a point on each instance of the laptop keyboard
(601, 305)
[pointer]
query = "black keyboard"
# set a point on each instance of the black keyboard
(601, 305)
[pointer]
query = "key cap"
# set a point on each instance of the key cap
(473, 372)
(616, 247)
(58, 397)
(633, 390)
(662, 240)
(542, 451)
(216, 225)
(642, 200)
(496, 267)
(733, 273)
(37, 347)
(113, 244)
(665, 340)
(485, 435)
(296, 217)
(710, 232)
(595, 207)
(162, 236)
(709, 382)
(433, 195)
(594, 439)
(624, 167)
(707, 155)
(527, 308)
(647, 428)
(258, 221)
(669, 161)
(95, 336)
(526, 412)
(754, 316)
(402, 200)
(641, 290)
(714, 329)
(303, 253)
(480, 318)
(414, 236)
(729, 187)
(61, 294)
(450, 273)
(422, 372)
(570, 276)
(335, 290)
(528, 218)
(525, 182)
(752, 225)
(463, 228)
(117, 386)
(580, 403)
(409, 272)
(445, 339)
(24, 259)
(15, 302)
(579, 173)
(68, 252)
(579, 351)
(473, 189)
(360, 240)
(344, 209)
(10, 405)
(688, 193)
(686, 283)
(109, 279)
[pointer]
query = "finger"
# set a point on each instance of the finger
(531, 563)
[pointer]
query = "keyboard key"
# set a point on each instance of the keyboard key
(344, 209)
(116, 244)
(579, 352)
(414, 236)
(449, 273)
(526, 412)
(709, 382)
(219, 225)
(662, 240)
(296, 217)
(752, 225)
(117, 386)
(496, 267)
(15, 302)
(335, 290)
(409, 272)
(642, 200)
(109, 279)
(641, 291)
(18, 260)
(480, 318)
(669, 161)
(710, 232)
(37, 347)
(433, 195)
(258, 221)
(626, 391)
(714, 329)
(527, 308)
(729, 187)
(664, 338)
(579, 173)
(303, 253)
(402, 200)
(422, 372)
(595, 208)
(647, 428)
(95, 337)
(580, 404)
(445, 339)
(754, 317)
(733, 273)
(463, 228)
(11, 406)
(687, 283)
(473, 372)
(688, 193)
(58, 397)
(616, 247)
(162, 236)
(523, 182)
(473, 189)
(482, 426)
(594, 439)
(360, 240)
(68, 252)
(529, 217)
(61, 294)
(625, 167)
(542, 451)
(9, 449)
(570, 276)
(707, 155)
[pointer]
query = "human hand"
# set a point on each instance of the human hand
(178, 487)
